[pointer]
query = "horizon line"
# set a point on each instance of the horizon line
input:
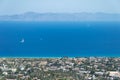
(32, 12)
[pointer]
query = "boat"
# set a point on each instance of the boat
(22, 41)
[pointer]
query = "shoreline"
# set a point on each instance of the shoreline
(62, 57)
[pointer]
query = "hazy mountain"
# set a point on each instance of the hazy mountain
(31, 16)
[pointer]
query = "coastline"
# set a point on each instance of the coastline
(60, 57)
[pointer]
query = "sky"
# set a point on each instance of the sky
(9, 7)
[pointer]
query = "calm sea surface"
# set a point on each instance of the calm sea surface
(58, 39)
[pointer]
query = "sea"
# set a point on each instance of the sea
(59, 39)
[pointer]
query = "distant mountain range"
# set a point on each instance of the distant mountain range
(32, 16)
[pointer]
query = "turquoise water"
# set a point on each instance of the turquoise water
(58, 39)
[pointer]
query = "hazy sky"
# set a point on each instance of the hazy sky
(58, 6)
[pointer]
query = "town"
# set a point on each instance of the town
(78, 68)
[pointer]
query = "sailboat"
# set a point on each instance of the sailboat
(22, 41)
